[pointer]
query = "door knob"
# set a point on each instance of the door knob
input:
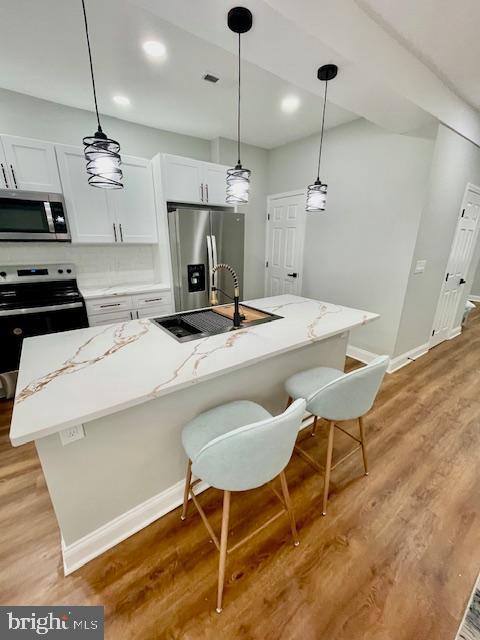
(292, 275)
(462, 281)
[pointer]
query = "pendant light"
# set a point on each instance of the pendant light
(317, 192)
(101, 153)
(239, 21)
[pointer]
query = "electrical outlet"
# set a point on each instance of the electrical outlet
(71, 434)
(420, 266)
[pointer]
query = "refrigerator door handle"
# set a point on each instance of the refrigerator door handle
(210, 264)
(214, 251)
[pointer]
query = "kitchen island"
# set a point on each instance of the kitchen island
(131, 387)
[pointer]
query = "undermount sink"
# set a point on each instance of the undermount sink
(192, 325)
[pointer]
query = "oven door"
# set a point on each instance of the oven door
(34, 322)
(31, 216)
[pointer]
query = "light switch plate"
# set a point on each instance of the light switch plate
(420, 266)
(71, 434)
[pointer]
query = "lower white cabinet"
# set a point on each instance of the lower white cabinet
(111, 309)
(108, 216)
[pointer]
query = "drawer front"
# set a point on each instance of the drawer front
(144, 300)
(154, 312)
(109, 304)
(109, 318)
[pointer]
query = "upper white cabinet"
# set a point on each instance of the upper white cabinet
(188, 180)
(134, 205)
(28, 164)
(89, 213)
(104, 216)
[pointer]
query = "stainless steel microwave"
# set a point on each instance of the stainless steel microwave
(31, 215)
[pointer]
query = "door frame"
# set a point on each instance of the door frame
(454, 331)
(270, 198)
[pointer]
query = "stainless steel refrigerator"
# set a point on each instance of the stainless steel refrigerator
(201, 238)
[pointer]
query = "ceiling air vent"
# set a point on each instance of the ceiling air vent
(209, 77)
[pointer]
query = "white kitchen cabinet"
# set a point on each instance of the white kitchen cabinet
(30, 165)
(89, 210)
(108, 216)
(183, 179)
(134, 205)
(193, 181)
(118, 308)
(215, 177)
(4, 174)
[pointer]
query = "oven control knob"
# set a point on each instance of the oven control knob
(3, 274)
(69, 271)
(17, 331)
(60, 271)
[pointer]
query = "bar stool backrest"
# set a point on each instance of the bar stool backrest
(350, 396)
(252, 455)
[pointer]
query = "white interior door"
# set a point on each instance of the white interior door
(458, 265)
(285, 240)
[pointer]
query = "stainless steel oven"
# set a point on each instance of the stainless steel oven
(31, 215)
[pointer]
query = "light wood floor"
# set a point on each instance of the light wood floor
(395, 558)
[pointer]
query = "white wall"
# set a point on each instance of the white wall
(358, 253)
(24, 115)
(475, 288)
(456, 161)
(254, 158)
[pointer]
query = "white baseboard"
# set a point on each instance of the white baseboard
(474, 298)
(362, 355)
(406, 358)
(455, 332)
(107, 536)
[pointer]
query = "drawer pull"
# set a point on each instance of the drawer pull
(153, 299)
(104, 306)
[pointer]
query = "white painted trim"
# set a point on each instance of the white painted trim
(362, 355)
(270, 198)
(395, 363)
(474, 298)
(454, 333)
(406, 358)
(78, 553)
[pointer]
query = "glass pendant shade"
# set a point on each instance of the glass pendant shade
(316, 196)
(103, 161)
(238, 185)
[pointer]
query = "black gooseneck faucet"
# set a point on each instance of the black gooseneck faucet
(237, 318)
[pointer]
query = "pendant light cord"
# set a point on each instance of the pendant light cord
(321, 134)
(91, 64)
(238, 106)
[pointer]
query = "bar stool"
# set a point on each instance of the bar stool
(236, 447)
(337, 396)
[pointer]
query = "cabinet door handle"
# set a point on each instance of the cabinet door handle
(115, 232)
(206, 191)
(201, 192)
(4, 176)
(14, 178)
(121, 232)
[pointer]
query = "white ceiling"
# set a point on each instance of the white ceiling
(43, 53)
(444, 34)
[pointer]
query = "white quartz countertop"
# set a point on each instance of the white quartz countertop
(90, 293)
(77, 376)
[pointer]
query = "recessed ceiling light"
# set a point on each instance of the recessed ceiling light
(122, 100)
(290, 104)
(155, 49)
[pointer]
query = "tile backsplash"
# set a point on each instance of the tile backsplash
(96, 265)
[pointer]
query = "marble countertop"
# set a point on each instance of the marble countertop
(77, 376)
(90, 293)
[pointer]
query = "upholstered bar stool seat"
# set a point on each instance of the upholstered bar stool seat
(236, 447)
(337, 397)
